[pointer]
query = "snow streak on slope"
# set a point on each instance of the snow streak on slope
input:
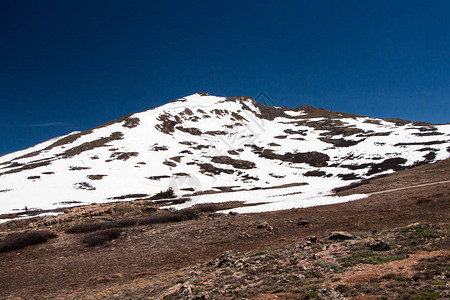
(205, 143)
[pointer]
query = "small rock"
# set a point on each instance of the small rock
(329, 293)
(186, 289)
(213, 263)
(439, 277)
(265, 225)
(226, 259)
(340, 235)
(232, 213)
(377, 245)
(238, 264)
(244, 236)
(312, 239)
(302, 221)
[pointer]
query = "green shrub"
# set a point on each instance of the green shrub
(169, 193)
(312, 295)
(438, 282)
(427, 296)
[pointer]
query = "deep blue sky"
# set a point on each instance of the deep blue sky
(72, 65)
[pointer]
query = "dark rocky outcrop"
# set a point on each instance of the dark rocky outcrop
(209, 168)
(123, 155)
(388, 164)
(131, 122)
(101, 142)
(158, 177)
(315, 173)
(190, 130)
(340, 142)
(167, 125)
(236, 163)
(421, 143)
(95, 177)
(313, 158)
(169, 163)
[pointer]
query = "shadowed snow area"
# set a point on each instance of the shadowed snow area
(218, 149)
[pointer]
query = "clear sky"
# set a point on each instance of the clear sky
(72, 65)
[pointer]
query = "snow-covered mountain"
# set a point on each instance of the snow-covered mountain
(275, 158)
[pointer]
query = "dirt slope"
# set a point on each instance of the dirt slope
(64, 265)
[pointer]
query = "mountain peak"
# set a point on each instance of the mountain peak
(204, 145)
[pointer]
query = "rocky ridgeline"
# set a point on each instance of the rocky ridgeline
(202, 142)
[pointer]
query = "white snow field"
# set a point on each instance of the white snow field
(203, 142)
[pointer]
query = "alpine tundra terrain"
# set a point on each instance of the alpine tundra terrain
(225, 198)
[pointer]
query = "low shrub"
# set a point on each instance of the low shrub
(101, 236)
(345, 290)
(173, 201)
(426, 296)
(207, 207)
(170, 217)
(169, 193)
(124, 223)
(94, 226)
(89, 227)
(21, 240)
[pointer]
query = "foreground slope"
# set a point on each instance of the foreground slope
(203, 144)
(273, 253)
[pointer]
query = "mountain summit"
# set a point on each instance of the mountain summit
(206, 147)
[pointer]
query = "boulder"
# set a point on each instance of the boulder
(340, 235)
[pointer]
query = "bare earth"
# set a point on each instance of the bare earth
(151, 259)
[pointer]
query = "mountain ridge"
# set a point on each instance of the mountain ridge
(202, 143)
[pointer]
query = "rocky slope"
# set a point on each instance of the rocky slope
(398, 248)
(202, 146)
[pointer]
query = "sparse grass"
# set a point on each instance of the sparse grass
(327, 265)
(394, 276)
(420, 235)
(431, 267)
(295, 271)
(312, 295)
(101, 236)
(21, 240)
(426, 296)
(346, 290)
(367, 257)
(438, 282)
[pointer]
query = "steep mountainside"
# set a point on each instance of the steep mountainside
(275, 158)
